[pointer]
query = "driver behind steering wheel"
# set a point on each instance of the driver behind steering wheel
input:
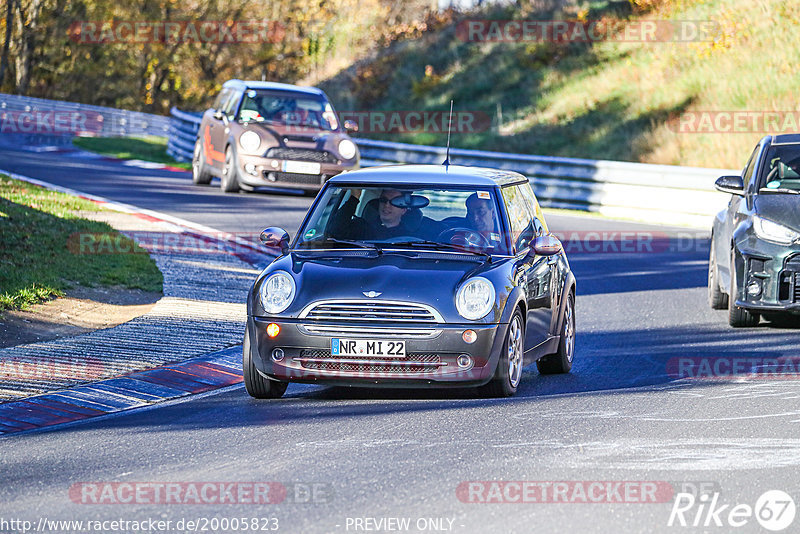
(481, 217)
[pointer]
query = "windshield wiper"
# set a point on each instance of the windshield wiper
(359, 244)
(435, 245)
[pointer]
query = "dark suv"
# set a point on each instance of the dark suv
(271, 134)
(754, 268)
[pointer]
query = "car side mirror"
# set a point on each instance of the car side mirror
(546, 245)
(350, 126)
(730, 184)
(274, 237)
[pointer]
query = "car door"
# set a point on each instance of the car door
(737, 211)
(213, 130)
(532, 272)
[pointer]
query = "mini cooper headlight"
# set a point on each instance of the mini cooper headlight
(250, 141)
(277, 292)
(774, 232)
(475, 298)
(347, 149)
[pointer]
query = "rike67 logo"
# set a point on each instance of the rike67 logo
(774, 510)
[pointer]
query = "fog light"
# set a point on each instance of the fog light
(754, 288)
(250, 168)
(469, 336)
(464, 361)
(277, 355)
(273, 330)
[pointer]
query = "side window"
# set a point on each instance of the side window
(522, 231)
(747, 175)
(222, 97)
(539, 224)
(232, 104)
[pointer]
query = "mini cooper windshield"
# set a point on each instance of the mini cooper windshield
(288, 109)
(459, 219)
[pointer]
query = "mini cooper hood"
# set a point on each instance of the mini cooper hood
(781, 208)
(292, 135)
(431, 280)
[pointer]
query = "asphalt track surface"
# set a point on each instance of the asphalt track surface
(621, 415)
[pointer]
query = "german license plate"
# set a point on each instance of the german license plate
(375, 348)
(302, 167)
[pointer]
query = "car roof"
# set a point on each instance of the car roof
(242, 85)
(786, 139)
(430, 174)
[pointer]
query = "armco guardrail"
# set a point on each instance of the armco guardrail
(658, 193)
(39, 116)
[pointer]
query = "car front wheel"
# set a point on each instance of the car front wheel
(509, 367)
(738, 317)
(255, 384)
(229, 181)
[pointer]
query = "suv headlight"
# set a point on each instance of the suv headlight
(250, 141)
(774, 232)
(277, 292)
(475, 298)
(347, 149)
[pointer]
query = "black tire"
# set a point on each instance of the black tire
(561, 360)
(229, 181)
(716, 298)
(200, 176)
(505, 381)
(738, 317)
(255, 384)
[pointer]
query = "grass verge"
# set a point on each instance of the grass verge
(144, 148)
(36, 262)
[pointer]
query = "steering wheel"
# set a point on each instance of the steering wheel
(465, 237)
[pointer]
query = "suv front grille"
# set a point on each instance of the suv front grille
(371, 311)
(302, 154)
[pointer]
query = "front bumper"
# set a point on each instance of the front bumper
(264, 171)
(431, 354)
(777, 277)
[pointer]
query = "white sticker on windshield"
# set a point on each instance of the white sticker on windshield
(494, 237)
(484, 194)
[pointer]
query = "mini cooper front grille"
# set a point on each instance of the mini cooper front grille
(366, 369)
(425, 357)
(302, 154)
(369, 331)
(293, 178)
(371, 311)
